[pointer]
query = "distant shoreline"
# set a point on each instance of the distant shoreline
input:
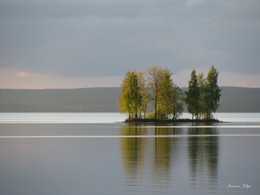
(233, 99)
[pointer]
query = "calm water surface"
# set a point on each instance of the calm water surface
(105, 117)
(115, 158)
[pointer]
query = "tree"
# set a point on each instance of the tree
(134, 93)
(154, 76)
(143, 92)
(130, 98)
(160, 85)
(177, 102)
(212, 92)
(165, 94)
(123, 100)
(202, 96)
(192, 95)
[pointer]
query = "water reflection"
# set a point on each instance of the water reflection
(147, 159)
(203, 156)
(154, 159)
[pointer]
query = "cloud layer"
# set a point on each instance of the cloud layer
(78, 38)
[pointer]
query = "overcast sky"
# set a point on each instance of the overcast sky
(83, 43)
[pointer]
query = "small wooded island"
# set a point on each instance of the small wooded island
(156, 98)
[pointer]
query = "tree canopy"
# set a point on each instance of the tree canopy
(130, 99)
(193, 95)
(156, 96)
(202, 97)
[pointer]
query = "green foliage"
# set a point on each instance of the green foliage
(165, 94)
(161, 92)
(144, 94)
(193, 95)
(202, 93)
(123, 102)
(130, 98)
(177, 102)
(154, 76)
(134, 94)
(202, 97)
(212, 92)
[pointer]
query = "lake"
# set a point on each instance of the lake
(89, 153)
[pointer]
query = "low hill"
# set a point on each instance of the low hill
(233, 99)
(59, 100)
(238, 99)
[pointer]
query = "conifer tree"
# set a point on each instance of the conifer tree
(202, 96)
(212, 92)
(192, 95)
(134, 94)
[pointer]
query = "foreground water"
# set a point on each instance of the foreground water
(115, 158)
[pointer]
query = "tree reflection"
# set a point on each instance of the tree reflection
(140, 154)
(132, 150)
(163, 150)
(146, 158)
(203, 155)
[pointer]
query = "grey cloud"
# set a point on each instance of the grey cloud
(78, 8)
(90, 38)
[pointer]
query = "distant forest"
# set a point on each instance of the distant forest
(233, 99)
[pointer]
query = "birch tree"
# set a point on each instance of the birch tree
(130, 98)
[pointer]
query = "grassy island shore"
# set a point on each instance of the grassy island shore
(171, 121)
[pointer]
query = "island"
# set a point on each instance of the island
(156, 98)
(179, 120)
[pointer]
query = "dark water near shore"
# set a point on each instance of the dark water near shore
(128, 159)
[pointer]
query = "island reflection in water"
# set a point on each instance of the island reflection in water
(161, 160)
